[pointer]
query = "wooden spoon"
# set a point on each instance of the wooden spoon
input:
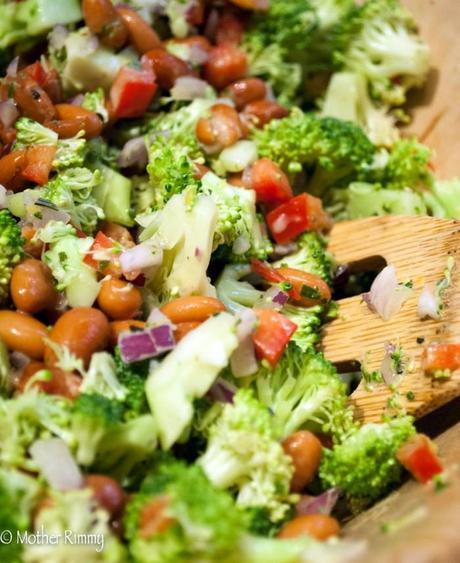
(418, 247)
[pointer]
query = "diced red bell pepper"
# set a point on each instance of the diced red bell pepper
(438, 357)
(272, 334)
(36, 72)
(132, 92)
(418, 455)
(106, 246)
(301, 213)
(270, 275)
(269, 182)
(39, 161)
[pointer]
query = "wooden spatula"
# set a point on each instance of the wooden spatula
(418, 247)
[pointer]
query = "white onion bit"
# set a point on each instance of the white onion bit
(386, 295)
(189, 88)
(427, 306)
(3, 198)
(133, 153)
(140, 257)
(57, 464)
(237, 157)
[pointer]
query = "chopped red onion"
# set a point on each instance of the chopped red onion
(12, 68)
(386, 295)
(8, 113)
(273, 298)
(189, 88)
(392, 371)
(282, 250)
(247, 323)
(243, 360)
(323, 504)
(3, 198)
(428, 304)
(139, 258)
(57, 464)
(222, 391)
(77, 100)
(140, 345)
(134, 153)
(198, 55)
(157, 318)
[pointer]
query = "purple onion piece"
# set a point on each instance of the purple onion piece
(136, 346)
(222, 391)
(280, 298)
(323, 504)
(163, 337)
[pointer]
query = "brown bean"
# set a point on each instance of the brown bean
(318, 526)
(262, 112)
(33, 101)
(225, 65)
(31, 247)
(62, 383)
(255, 5)
(103, 19)
(182, 329)
(119, 299)
(221, 129)
(118, 233)
(107, 492)
(167, 67)
(83, 330)
(11, 165)
(141, 36)
(230, 29)
(304, 448)
(247, 90)
(192, 309)
(32, 287)
(92, 123)
(23, 333)
(118, 327)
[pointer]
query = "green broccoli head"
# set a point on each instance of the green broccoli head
(92, 417)
(30, 132)
(308, 321)
(243, 453)
(11, 250)
(304, 391)
(70, 152)
(235, 293)
(95, 101)
(204, 523)
(132, 377)
(311, 256)
(364, 465)
(379, 40)
(101, 378)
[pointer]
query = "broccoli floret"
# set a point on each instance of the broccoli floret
(303, 391)
(364, 465)
(378, 39)
(172, 385)
(65, 258)
(127, 446)
(132, 377)
(308, 321)
(92, 417)
(331, 147)
(18, 496)
(11, 250)
(70, 152)
(79, 513)
(30, 132)
(170, 171)
(27, 417)
(101, 378)
(204, 524)
(243, 452)
(238, 226)
(347, 98)
(311, 257)
(95, 101)
(234, 293)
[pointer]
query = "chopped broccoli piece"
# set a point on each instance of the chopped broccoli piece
(30, 132)
(234, 293)
(11, 250)
(92, 417)
(95, 101)
(101, 378)
(243, 452)
(70, 152)
(76, 512)
(6, 382)
(311, 257)
(204, 524)
(172, 385)
(446, 194)
(113, 195)
(378, 39)
(364, 465)
(308, 321)
(303, 391)
(132, 377)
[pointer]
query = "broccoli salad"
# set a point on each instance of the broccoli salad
(169, 173)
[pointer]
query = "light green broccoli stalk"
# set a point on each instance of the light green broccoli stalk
(347, 98)
(11, 250)
(379, 40)
(27, 417)
(95, 101)
(19, 494)
(364, 465)
(172, 385)
(444, 198)
(65, 257)
(234, 293)
(311, 256)
(127, 446)
(101, 378)
(304, 391)
(243, 452)
(204, 524)
(30, 133)
(78, 513)
(92, 417)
